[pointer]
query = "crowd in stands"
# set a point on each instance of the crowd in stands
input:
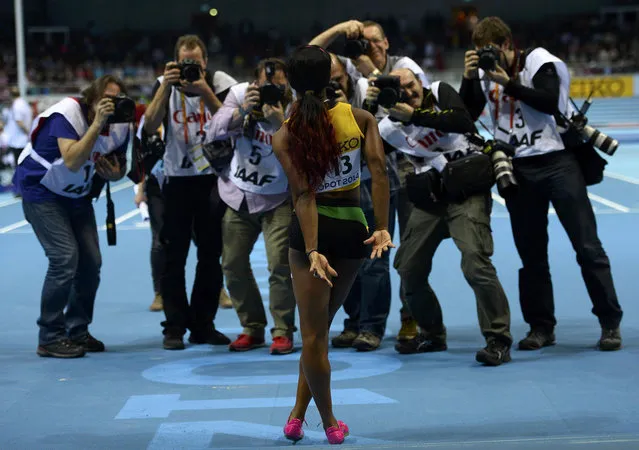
(65, 63)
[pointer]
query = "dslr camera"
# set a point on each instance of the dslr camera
(354, 48)
(270, 93)
(190, 70)
(390, 91)
(331, 90)
(151, 150)
(591, 135)
(124, 111)
(488, 57)
(219, 154)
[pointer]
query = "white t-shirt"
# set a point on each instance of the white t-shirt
(20, 111)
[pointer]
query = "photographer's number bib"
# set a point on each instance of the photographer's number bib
(254, 167)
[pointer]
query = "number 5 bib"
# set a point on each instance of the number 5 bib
(254, 167)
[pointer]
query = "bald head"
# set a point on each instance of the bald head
(411, 85)
(339, 74)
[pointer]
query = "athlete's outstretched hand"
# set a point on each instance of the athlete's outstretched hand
(320, 268)
(381, 241)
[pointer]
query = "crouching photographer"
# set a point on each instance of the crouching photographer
(450, 191)
(255, 188)
(525, 92)
(184, 102)
(70, 142)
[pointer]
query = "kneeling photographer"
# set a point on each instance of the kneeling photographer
(525, 92)
(255, 188)
(70, 142)
(450, 191)
(184, 102)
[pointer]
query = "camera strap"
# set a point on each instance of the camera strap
(514, 72)
(186, 121)
(110, 219)
(512, 108)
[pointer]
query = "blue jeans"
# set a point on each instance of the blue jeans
(368, 302)
(69, 236)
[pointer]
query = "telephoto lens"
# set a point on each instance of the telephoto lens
(602, 141)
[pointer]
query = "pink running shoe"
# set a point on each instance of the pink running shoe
(335, 435)
(293, 430)
(342, 426)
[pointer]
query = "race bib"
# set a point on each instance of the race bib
(255, 168)
(348, 175)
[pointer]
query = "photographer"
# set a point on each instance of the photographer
(343, 88)
(366, 50)
(256, 192)
(69, 143)
(184, 102)
(431, 126)
(524, 91)
(149, 190)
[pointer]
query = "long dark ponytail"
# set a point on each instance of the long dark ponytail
(312, 145)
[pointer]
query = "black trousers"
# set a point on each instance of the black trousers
(155, 201)
(556, 178)
(189, 212)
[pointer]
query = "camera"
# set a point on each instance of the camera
(124, 109)
(331, 90)
(354, 48)
(390, 91)
(190, 70)
(150, 151)
(488, 57)
(500, 154)
(270, 93)
(219, 154)
(590, 134)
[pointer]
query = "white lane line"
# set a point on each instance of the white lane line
(13, 226)
(119, 187)
(498, 199)
(13, 201)
(620, 177)
(608, 203)
(127, 216)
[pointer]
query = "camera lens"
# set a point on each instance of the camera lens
(602, 141)
(388, 97)
(504, 176)
(191, 73)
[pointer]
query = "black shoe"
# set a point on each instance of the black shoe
(345, 339)
(63, 348)
(90, 344)
(610, 339)
(536, 339)
(213, 337)
(173, 343)
(494, 354)
(420, 344)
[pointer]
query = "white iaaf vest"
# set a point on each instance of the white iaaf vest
(196, 121)
(254, 167)
(532, 132)
(435, 146)
(59, 179)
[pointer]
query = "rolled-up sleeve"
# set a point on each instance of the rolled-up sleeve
(223, 117)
